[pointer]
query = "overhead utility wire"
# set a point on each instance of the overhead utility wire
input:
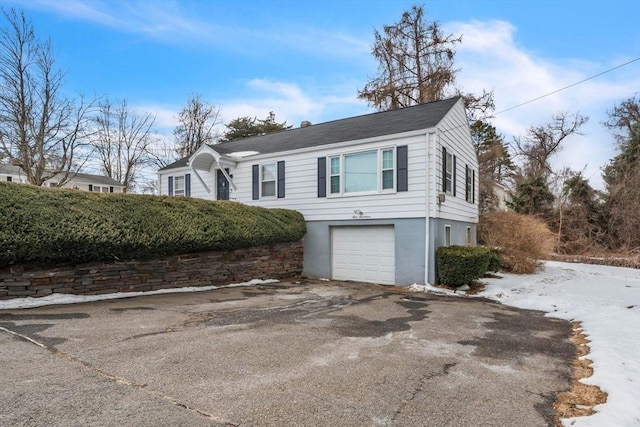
(567, 87)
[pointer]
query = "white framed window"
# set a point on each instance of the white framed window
(469, 241)
(334, 173)
(178, 185)
(363, 172)
(99, 188)
(447, 235)
(268, 176)
(388, 169)
(448, 173)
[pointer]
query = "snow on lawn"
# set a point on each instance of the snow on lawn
(54, 299)
(607, 302)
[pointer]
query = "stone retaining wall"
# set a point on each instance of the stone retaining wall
(279, 261)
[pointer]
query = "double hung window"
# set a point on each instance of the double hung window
(178, 186)
(448, 173)
(268, 179)
(470, 184)
(360, 173)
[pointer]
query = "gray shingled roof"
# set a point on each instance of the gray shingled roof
(407, 119)
(177, 164)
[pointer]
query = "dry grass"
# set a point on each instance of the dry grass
(580, 399)
(523, 239)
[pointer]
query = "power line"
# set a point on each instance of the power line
(569, 86)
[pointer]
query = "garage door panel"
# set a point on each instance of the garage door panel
(363, 253)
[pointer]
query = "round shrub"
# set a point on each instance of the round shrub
(460, 265)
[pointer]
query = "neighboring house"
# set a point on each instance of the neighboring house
(80, 181)
(503, 196)
(379, 192)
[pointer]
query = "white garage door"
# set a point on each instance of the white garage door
(363, 254)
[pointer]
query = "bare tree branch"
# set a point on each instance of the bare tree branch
(40, 130)
(121, 140)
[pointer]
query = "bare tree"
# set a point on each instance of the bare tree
(622, 177)
(40, 130)
(415, 63)
(197, 126)
(542, 142)
(121, 140)
(533, 193)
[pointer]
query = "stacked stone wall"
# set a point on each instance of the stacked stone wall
(281, 261)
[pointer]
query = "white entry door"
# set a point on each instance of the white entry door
(363, 254)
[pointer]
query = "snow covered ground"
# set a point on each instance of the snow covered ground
(605, 299)
(54, 299)
(607, 302)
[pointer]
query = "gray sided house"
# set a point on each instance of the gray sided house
(380, 192)
(77, 180)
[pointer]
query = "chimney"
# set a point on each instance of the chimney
(305, 123)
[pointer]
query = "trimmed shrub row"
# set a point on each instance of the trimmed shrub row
(53, 226)
(460, 265)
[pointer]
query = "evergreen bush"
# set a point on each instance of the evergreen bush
(460, 265)
(61, 226)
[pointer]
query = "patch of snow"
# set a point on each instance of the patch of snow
(460, 292)
(55, 299)
(241, 154)
(252, 282)
(607, 302)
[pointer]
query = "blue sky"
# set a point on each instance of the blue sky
(305, 60)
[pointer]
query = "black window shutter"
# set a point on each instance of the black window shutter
(453, 184)
(322, 177)
(473, 187)
(281, 179)
(402, 157)
(255, 180)
(110, 189)
(466, 183)
(187, 185)
(90, 187)
(171, 186)
(444, 169)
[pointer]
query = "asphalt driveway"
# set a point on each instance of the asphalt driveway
(307, 354)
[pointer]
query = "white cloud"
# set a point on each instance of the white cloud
(491, 59)
(172, 22)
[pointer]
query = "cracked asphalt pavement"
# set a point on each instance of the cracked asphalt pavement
(289, 354)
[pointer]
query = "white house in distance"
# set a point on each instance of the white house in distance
(80, 181)
(379, 192)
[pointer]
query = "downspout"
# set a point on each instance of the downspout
(427, 234)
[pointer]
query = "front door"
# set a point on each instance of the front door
(222, 185)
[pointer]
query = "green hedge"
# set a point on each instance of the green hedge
(495, 260)
(54, 226)
(460, 265)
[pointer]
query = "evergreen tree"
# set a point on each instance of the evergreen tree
(244, 127)
(494, 160)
